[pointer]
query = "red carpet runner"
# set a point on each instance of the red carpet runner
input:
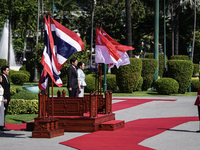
(133, 133)
(128, 137)
(16, 127)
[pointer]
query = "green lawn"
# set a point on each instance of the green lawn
(148, 93)
(18, 119)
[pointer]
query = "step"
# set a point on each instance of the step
(111, 125)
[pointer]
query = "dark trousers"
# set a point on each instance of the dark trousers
(6, 108)
(73, 92)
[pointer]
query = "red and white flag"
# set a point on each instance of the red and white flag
(105, 51)
(121, 49)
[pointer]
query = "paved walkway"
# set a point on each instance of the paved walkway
(181, 137)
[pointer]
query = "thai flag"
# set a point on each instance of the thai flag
(49, 61)
(66, 42)
(60, 44)
(105, 51)
(121, 49)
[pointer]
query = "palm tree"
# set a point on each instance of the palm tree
(172, 26)
(192, 4)
(128, 25)
(177, 10)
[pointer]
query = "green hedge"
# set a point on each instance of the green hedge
(181, 71)
(21, 106)
(24, 94)
(13, 91)
(196, 69)
(19, 78)
(179, 57)
(90, 81)
(139, 86)
(195, 84)
(26, 73)
(128, 76)
(161, 62)
(111, 82)
(149, 67)
(166, 86)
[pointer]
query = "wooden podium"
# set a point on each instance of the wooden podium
(90, 113)
(45, 126)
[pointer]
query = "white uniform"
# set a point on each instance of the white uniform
(1, 106)
(81, 80)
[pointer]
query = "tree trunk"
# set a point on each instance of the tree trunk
(177, 28)
(172, 26)
(128, 26)
(193, 42)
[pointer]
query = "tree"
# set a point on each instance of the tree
(128, 25)
(24, 18)
(192, 4)
(3, 13)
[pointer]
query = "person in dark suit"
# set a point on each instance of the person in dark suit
(72, 76)
(6, 86)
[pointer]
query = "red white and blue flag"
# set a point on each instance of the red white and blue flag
(66, 42)
(121, 49)
(105, 51)
(58, 48)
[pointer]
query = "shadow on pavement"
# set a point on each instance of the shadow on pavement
(11, 135)
(178, 130)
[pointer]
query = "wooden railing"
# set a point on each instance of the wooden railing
(74, 106)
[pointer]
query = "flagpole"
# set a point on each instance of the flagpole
(52, 100)
(105, 72)
(91, 38)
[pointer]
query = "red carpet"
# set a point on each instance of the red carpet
(130, 102)
(128, 137)
(16, 127)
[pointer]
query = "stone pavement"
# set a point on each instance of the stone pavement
(183, 136)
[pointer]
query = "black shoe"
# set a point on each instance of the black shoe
(4, 129)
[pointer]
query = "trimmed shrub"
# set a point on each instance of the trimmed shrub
(128, 76)
(195, 84)
(111, 82)
(139, 86)
(196, 69)
(179, 57)
(90, 81)
(24, 94)
(149, 67)
(3, 62)
(13, 91)
(21, 106)
(161, 62)
(25, 72)
(19, 78)
(23, 68)
(181, 71)
(10, 73)
(166, 86)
